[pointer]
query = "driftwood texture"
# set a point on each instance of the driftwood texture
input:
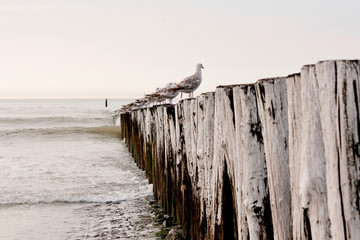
(278, 159)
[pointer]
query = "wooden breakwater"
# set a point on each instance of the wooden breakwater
(278, 159)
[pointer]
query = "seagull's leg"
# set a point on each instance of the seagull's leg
(180, 94)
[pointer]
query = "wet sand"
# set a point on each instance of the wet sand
(124, 220)
(129, 219)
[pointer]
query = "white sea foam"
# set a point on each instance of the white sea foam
(32, 132)
(107, 197)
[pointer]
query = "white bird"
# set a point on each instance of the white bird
(191, 83)
(168, 86)
(161, 94)
(170, 94)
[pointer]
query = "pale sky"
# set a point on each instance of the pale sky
(118, 48)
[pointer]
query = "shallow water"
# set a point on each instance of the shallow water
(65, 174)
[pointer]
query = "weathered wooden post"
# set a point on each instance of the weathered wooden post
(272, 104)
(337, 83)
(170, 160)
(250, 168)
(306, 159)
(225, 216)
(205, 155)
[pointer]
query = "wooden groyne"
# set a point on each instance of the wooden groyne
(278, 159)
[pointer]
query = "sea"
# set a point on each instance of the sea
(65, 173)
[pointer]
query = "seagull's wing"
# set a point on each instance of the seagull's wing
(189, 82)
(152, 95)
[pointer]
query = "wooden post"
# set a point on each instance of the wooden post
(272, 104)
(338, 85)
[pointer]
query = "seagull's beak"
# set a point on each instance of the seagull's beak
(202, 66)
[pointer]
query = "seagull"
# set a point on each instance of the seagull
(160, 99)
(191, 83)
(168, 86)
(154, 97)
(169, 92)
(127, 107)
(161, 94)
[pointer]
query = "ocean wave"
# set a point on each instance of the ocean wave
(143, 191)
(52, 119)
(102, 130)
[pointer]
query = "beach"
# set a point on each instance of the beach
(65, 173)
